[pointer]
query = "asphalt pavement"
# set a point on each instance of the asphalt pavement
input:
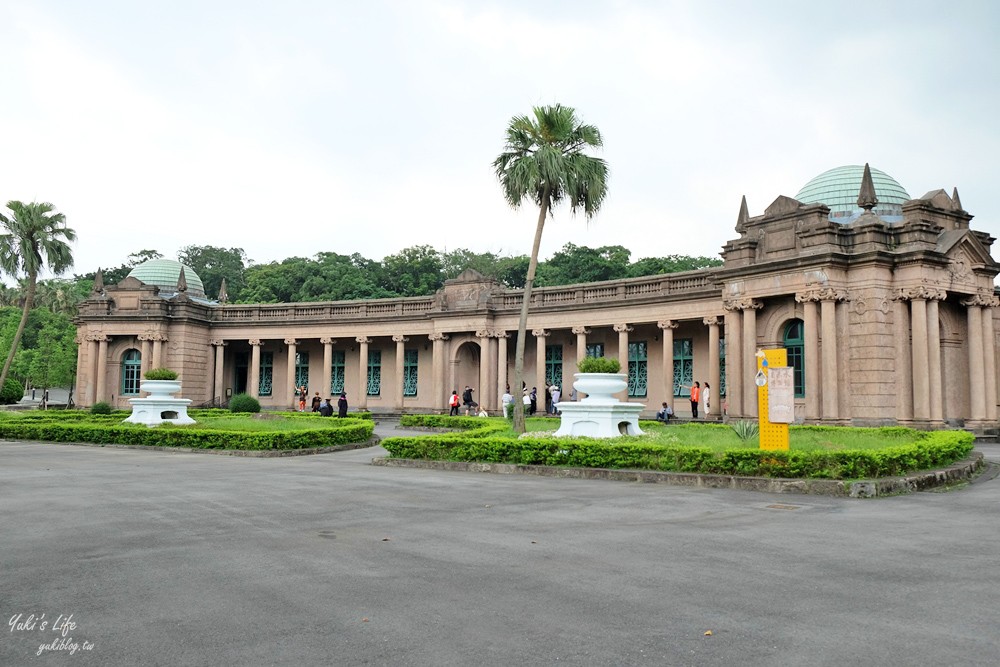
(163, 558)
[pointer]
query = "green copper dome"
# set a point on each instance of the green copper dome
(164, 274)
(839, 188)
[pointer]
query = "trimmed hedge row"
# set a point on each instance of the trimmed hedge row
(340, 432)
(926, 450)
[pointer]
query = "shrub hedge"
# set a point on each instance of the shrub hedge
(925, 450)
(103, 430)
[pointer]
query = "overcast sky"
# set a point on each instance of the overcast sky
(294, 127)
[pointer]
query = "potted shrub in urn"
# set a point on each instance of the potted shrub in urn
(599, 378)
(160, 382)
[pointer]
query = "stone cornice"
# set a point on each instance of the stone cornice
(982, 300)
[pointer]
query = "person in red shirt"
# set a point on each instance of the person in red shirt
(695, 397)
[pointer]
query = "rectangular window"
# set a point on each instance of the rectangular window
(131, 373)
(266, 373)
(638, 372)
(374, 372)
(410, 373)
(683, 366)
(595, 350)
(337, 366)
(301, 369)
(553, 365)
(722, 367)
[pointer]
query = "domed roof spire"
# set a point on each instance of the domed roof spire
(223, 295)
(182, 283)
(866, 198)
(956, 200)
(744, 216)
(99, 281)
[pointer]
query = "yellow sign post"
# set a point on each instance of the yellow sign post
(773, 436)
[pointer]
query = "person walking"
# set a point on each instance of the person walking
(342, 405)
(556, 397)
(467, 400)
(453, 403)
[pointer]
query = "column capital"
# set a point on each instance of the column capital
(540, 333)
(98, 338)
(500, 333)
(400, 338)
(668, 324)
(822, 294)
(920, 292)
(256, 342)
(291, 341)
(711, 320)
(747, 303)
(327, 340)
(363, 339)
(218, 342)
(623, 328)
(484, 333)
(146, 336)
(581, 330)
(981, 300)
(437, 336)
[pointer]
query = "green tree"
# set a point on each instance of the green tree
(33, 240)
(544, 160)
(580, 264)
(414, 271)
(653, 266)
(114, 275)
(52, 361)
(214, 264)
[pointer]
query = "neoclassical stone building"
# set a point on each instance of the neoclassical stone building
(886, 305)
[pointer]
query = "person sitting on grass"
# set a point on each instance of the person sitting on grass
(665, 413)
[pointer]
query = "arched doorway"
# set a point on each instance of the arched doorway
(465, 369)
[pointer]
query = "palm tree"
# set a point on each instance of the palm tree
(33, 240)
(544, 161)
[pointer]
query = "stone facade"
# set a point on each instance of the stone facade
(892, 323)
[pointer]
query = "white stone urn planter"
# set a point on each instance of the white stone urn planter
(160, 407)
(600, 414)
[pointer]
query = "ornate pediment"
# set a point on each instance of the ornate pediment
(469, 290)
(782, 206)
(966, 256)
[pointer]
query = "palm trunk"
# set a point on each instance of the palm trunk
(522, 324)
(28, 299)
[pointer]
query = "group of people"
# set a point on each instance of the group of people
(324, 406)
(698, 395)
(471, 407)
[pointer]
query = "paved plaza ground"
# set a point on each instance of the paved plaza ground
(191, 559)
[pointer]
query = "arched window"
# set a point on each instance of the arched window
(131, 373)
(794, 342)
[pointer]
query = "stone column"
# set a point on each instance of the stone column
(810, 334)
(400, 342)
(903, 379)
(92, 346)
(158, 341)
(254, 384)
(918, 360)
(934, 357)
(977, 355)
(828, 324)
(438, 362)
(327, 365)
(363, 342)
(502, 337)
(81, 369)
(219, 391)
(734, 360)
(989, 347)
(290, 372)
(146, 352)
(102, 368)
(540, 336)
(623, 330)
(487, 368)
(581, 342)
(713, 363)
(750, 308)
(667, 368)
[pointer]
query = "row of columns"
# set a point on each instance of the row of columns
(95, 363)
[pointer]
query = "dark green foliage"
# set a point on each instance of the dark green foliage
(12, 392)
(160, 374)
(110, 430)
(653, 266)
(599, 365)
(244, 403)
(580, 264)
(921, 451)
(100, 408)
(214, 264)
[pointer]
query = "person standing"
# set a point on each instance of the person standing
(556, 397)
(342, 405)
(467, 400)
(303, 395)
(453, 403)
(316, 402)
(695, 397)
(706, 396)
(506, 400)
(534, 400)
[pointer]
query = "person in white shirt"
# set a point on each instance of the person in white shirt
(706, 395)
(506, 400)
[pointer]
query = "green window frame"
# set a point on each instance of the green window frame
(410, 362)
(722, 367)
(553, 365)
(266, 383)
(795, 344)
(338, 364)
(683, 366)
(301, 370)
(638, 369)
(131, 372)
(374, 373)
(595, 350)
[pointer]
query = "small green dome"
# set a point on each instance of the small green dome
(164, 273)
(838, 188)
